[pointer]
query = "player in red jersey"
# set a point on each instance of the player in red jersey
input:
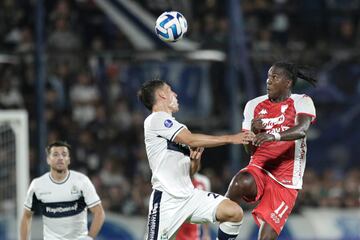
(274, 174)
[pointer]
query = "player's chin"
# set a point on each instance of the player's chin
(271, 95)
(60, 167)
(175, 109)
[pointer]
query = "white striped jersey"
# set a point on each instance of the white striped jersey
(63, 205)
(169, 162)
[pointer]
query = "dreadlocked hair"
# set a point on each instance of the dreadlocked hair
(294, 72)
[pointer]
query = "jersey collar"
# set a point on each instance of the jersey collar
(59, 182)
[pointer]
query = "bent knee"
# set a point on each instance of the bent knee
(242, 185)
(229, 211)
(238, 213)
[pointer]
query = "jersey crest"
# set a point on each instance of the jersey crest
(168, 123)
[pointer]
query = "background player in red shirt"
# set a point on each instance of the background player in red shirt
(278, 153)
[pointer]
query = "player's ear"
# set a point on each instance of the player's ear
(289, 83)
(161, 93)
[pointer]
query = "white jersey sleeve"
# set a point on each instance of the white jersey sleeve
(166, 126)
(248, 116)
(249, 111)
(29, 204)
(305, 105)
(89, 193)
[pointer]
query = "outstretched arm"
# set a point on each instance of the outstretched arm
(25, 225)
(203, 140)
(97, 221)
(296, 132)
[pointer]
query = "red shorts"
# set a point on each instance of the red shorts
(275, 201)
(188, 231)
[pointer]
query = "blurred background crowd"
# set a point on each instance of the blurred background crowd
(91, 106)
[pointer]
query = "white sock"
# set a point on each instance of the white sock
(229, 230)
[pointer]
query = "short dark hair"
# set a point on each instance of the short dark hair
(57, 144)
(294, 71)
(146, 94)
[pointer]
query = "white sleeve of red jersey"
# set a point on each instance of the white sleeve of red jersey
(248, 115)
(305, 105)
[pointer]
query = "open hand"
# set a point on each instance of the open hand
(195, 153)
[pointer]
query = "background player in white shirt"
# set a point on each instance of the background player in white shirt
(170, 146)
(62, 196)
(278, 153)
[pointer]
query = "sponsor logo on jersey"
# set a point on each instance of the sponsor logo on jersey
(277, 129)
(263, 112)
(62, 209)
(168, 123)
(270, 122)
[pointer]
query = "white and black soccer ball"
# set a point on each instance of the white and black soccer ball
(171, 26)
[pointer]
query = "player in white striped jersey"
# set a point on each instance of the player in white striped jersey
(62, 197)
(170, 147)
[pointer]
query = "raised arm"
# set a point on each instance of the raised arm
(203, 140)
(25, 225)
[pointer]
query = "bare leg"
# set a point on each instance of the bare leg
(242, 185)
(266, 232)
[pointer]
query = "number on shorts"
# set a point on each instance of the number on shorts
(213, 194)
(279, 212)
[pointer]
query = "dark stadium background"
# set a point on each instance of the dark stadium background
(76, 71)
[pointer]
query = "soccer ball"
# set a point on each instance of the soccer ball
(171, 26)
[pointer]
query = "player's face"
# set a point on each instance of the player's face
(59, 158)
(172, 99)
(277, 83)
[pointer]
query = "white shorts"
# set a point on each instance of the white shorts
(167, 214)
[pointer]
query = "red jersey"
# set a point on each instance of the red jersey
(284, 161)
(190, 231)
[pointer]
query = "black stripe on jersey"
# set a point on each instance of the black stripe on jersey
(62, 209)
(154, 217)
(172, 137)
(179, 148)
(36, 204)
